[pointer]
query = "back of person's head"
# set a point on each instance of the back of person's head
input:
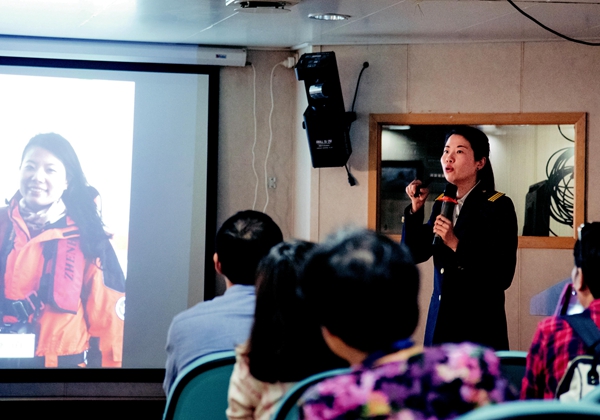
(285, 343)
(242, 241)
(364, 288)
(587, 256)
(481, 149)
(79, 197)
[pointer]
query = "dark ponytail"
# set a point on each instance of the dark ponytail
(285, 344)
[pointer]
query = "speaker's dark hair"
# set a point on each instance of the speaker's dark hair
(481, 149)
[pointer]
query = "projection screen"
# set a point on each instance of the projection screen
(145, 135)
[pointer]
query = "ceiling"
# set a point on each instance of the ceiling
(211, 22)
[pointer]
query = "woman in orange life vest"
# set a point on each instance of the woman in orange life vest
(61, 283)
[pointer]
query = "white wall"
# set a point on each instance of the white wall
(236, 179)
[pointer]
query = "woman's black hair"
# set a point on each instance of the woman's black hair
(481, 149)
(364, 288)
(285, 343)
(79, 197)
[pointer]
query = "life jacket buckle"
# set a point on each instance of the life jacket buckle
(19, 310)
(22, 309)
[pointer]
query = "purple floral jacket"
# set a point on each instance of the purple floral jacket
(440, 383)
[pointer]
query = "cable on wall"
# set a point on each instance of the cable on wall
(270, 133)
(351, 179)
(365, 65)
(255, 138)
(568, 38)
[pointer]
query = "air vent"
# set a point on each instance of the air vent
(264, 6)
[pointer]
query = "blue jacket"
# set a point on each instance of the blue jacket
(467, 303)
(214, 325)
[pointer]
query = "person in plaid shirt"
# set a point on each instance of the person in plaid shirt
(554, 342)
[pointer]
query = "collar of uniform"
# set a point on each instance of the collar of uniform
(241, 289)
(460, 202)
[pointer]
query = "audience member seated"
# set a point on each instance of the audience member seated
(554, 343)
(364, 289)
(225, 321)
(285, 344)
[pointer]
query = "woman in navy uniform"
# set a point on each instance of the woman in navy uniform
(476, 262)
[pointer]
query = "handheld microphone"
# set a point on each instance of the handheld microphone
(448, 203)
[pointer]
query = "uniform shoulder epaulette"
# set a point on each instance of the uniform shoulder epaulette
(439, 197)
(496, 196)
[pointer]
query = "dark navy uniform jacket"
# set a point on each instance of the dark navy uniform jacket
(467, 303)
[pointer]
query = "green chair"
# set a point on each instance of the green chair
(512, 366)
(200, 390)
(534, 410)
(288, 410)
(593, 396)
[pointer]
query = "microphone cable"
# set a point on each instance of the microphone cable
(351, 180)
(365, 65)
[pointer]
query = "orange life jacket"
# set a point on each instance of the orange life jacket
(63, 296)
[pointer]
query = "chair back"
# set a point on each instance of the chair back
(592, 396)
(512, 366)
(288, 410)
(200, 390)
(534, 410)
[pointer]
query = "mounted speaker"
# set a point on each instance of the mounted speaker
(326, 121)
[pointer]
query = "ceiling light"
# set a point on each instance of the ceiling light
(328, 16)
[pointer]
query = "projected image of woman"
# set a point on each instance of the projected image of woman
(62, 286)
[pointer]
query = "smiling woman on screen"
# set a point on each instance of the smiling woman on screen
(62, 298)
(476, 257)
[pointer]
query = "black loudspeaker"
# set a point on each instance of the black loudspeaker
(326, 121)
(537, 210)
